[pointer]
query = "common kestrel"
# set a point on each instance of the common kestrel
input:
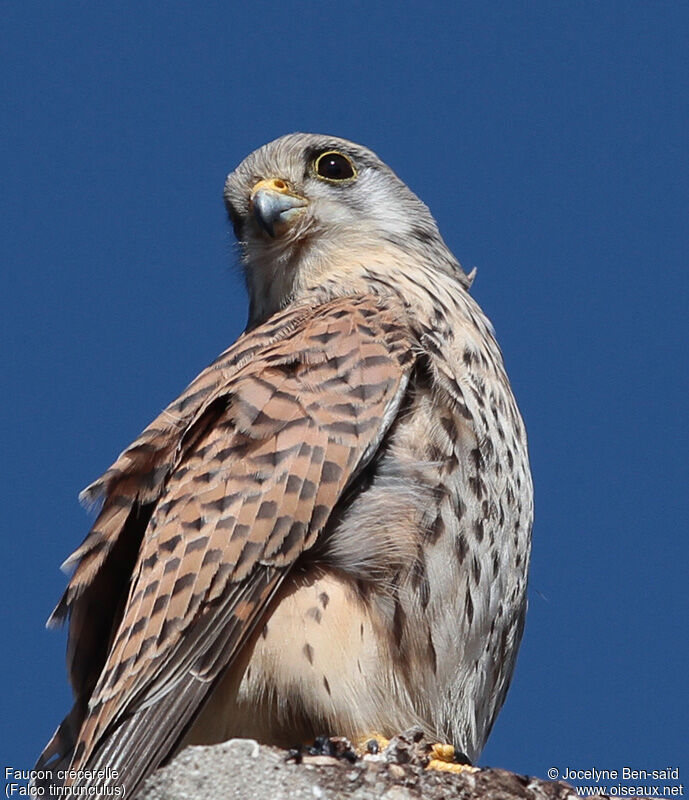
(329, 530)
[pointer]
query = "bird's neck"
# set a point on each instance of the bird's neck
(314, 275)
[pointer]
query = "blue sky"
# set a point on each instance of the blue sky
(549, 140)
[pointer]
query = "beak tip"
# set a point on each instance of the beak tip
(271, 208)
(265, 222)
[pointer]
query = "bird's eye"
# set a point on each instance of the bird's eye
(333, 166)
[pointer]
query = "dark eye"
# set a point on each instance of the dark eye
(334, 166)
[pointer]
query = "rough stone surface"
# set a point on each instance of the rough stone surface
(241, 768)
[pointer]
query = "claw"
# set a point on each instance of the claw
(335, 747)
(372, 744)
(444, 758)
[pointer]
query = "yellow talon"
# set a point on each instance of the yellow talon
(444, 766)
(363, 744)
(443, 752)
(443, 760)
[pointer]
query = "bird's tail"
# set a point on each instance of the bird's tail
(57, 754)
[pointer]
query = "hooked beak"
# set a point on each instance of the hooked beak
(273, 205)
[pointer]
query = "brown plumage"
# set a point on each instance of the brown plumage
(329, 530)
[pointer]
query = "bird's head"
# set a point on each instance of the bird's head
(307, 206)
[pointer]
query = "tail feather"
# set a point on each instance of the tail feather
(57, 754)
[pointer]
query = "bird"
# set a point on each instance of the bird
(330, 529)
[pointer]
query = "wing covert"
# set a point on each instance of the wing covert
(251, 481)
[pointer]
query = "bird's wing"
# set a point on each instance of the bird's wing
(242, 488)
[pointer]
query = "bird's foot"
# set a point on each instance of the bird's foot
(408, 748)
(371, 744)
(445, 758)
(324, 750)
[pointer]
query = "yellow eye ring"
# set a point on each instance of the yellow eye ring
(334, 167)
